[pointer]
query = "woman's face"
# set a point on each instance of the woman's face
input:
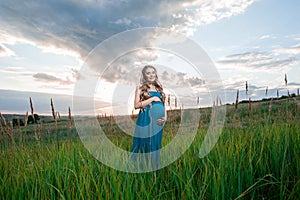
(150, 75)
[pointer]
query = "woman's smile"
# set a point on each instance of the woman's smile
(150, 75)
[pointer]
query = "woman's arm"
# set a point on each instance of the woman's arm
(142, 104)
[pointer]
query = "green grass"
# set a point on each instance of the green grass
(256, 157)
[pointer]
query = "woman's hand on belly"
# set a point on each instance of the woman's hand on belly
(156, 99)
(161, 121)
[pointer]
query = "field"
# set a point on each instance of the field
(256, 157)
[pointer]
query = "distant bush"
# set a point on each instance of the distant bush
(35, 120)
(15, 121)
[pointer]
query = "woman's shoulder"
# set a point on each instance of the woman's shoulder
(139, 89)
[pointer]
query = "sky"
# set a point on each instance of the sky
(45, 45)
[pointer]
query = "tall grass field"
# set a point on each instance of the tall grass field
(256, 157)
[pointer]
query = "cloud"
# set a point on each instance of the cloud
(43, 77)
(230, 85)
(14, 70)
(80, 25)
(126, 67)
(294, 84)
(4, 51)
(293, 50)
(267, 37)
(124, 21)
(258, 60)
(180, 79)
(76, 74)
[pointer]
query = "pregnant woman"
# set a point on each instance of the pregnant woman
(149, 98)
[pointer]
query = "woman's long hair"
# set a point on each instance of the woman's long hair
(144, 85)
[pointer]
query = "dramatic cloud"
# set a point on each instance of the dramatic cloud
(75, 27)
(80, 25)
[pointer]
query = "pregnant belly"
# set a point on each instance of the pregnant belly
(157, 110)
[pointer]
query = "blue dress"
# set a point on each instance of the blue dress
(148, 134)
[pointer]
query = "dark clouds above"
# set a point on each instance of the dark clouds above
(79, 25)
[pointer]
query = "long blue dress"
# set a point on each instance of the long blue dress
(148, 134)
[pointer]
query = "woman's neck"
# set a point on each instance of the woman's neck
(152, 86)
